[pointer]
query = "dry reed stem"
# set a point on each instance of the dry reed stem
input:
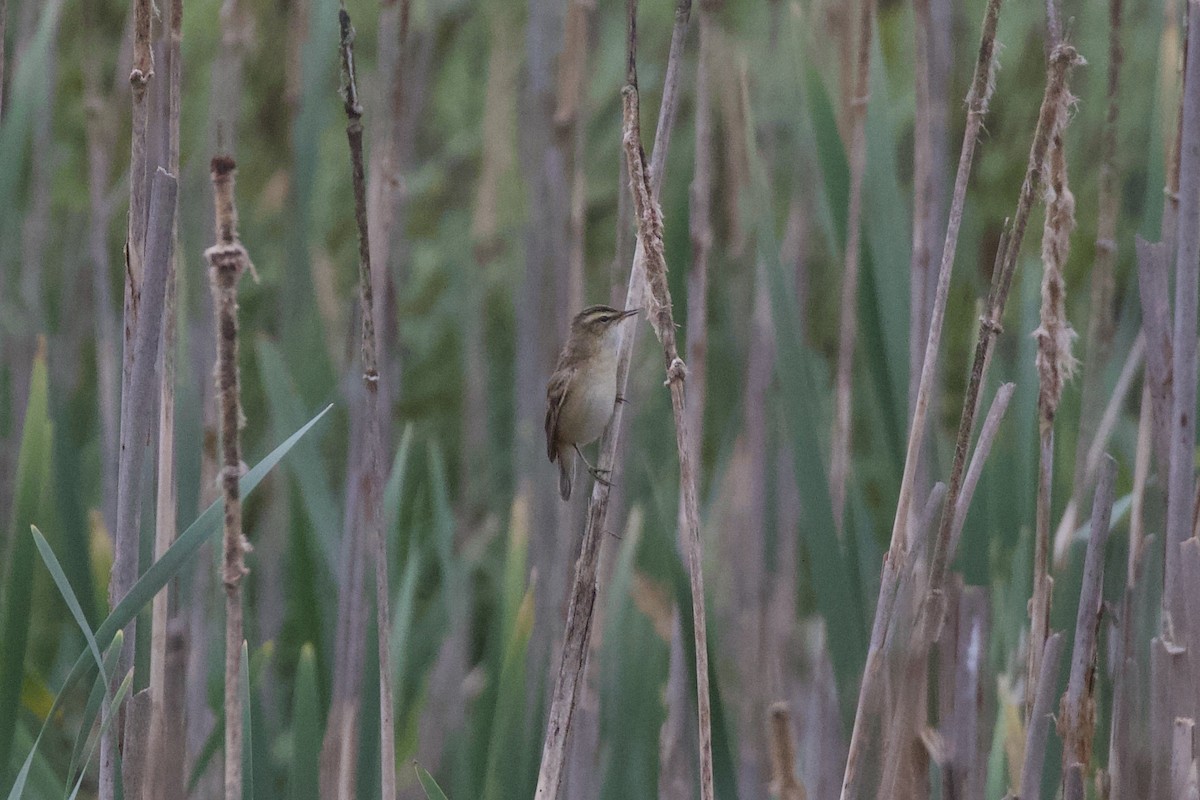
(371, 488)
(227, 261)
(650, 234)
(1037, 729)
(674, 765)
(1181, 483)
(581, 600)
(894, 561)
(1077, 716)
(125, 539)
(983, 447)
(784, 784)
(1054, 361)
(839, 462)
(1089, 460)
(165, 775)
(137, 408)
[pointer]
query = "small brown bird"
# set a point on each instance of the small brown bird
(582, 393)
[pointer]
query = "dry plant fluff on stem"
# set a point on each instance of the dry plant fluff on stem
(227, 261)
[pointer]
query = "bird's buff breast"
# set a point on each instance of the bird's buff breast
(587, 410)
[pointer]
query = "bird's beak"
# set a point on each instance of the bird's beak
(630, 312)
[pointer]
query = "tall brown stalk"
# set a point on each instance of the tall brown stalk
(649, 218)
(1055, 365)
(581, 599)
(227, 261)
(371, 488)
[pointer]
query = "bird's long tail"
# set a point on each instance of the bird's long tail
(566, 473)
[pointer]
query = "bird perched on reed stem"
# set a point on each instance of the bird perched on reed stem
(582, 393)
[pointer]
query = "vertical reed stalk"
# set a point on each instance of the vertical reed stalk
(227, 261)
(125, 537)
(1055, 365)
(650, 233)
(581, 600)
(165, 768)
(839, 467)
(371, 497)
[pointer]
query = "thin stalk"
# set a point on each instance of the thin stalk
(1055, 365)
(650, 234)
(839, 467)
(894, 562)
(674, 781)
(227, 261)
(581, 600)
(371, 498)
(165, 773)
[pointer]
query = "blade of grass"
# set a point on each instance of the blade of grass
(432, 790)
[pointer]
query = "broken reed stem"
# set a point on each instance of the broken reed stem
(1037, 729)
(371, 497)
(894, 561)
(1101, 435)
(983, 447)
(165, 773)
(650, 234)
(1181, 484)
(784, 784)
(1077, 716)
(839, 466)
(582, 597)
(849, 298)
(1055, 364)
(227, 261)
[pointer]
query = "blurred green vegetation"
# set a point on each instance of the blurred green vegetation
(459, 564)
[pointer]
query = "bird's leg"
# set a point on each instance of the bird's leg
(595, 472)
